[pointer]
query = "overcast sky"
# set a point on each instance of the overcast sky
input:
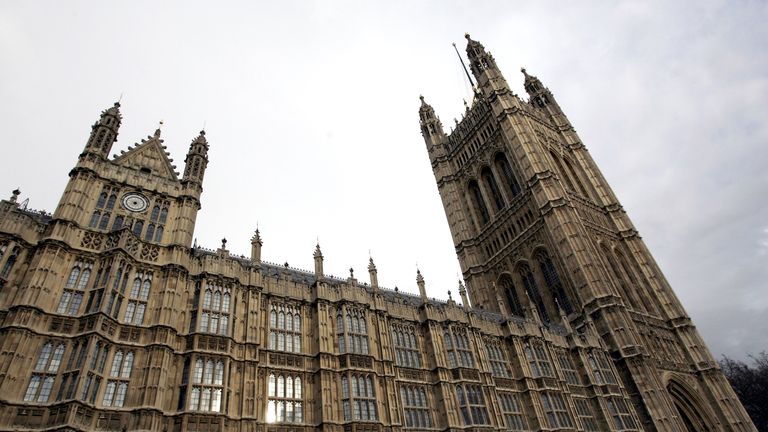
(311, 108)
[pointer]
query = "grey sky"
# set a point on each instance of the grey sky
(311, 112)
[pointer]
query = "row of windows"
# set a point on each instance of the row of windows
(415, 406)
(352, 331)
(105, 205)
(48, 363)
(285, 393)
(284, 399)
(407, 353)
(286, 326)
(547, 303)
(458, 349)
(358, 398)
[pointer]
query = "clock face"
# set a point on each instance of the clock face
(135, 202)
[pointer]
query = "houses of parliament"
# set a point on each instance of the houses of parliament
(111, 319)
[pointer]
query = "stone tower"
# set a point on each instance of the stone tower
(112, 319)
(540, 235)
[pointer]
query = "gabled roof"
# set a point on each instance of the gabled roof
(150, 154)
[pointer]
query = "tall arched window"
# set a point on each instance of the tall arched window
(563, 174)
(635, 284)
(533, 290)
(508, 286)
(493, 187)
(553, 281)
(505, 169)
(576, 178)
(477, 200)
(625, 290)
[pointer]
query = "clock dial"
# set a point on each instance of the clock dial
(135, 202)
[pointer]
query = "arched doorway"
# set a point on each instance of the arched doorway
(689, 407)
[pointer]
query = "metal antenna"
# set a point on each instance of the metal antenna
(469, 77)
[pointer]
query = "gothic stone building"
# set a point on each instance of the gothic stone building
(111, 319)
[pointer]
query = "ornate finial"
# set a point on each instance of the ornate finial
(157, 131)
(351, 273)
(449, 295)
(461, 286)
(15, 195)
(466, 35)
(202, 132)
(371, 265)
(318, 253)
(421, 97)
(224, 243)
(256, 237)
(465, 105)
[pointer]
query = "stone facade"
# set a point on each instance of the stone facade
(111, 319)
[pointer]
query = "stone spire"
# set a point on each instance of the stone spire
(539, 95)
(256, 247)
(318, 256)
(104, 132)
(483, 65)
(431, 129)
(420, 283)
(373, 275)
(197, 159)
(463, 294)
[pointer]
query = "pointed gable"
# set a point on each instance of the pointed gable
(149, 155)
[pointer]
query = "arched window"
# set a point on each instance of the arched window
(137, 228)
(554, 283)
(354, 337)
(477, 200)
(117, 224)
(649, 305)
(533, 290)
(155, 213)
(208, 389)
(150, 232)
(502, 165)
(508, 286)
(576, 178)
(159, 234)
(104, 223)
(359, 403)
(407, 352)
(102, 200)
(493, 187)
(94, 220)
(563, 174)
(625, 290)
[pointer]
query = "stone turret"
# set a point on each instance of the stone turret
(104, 132)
